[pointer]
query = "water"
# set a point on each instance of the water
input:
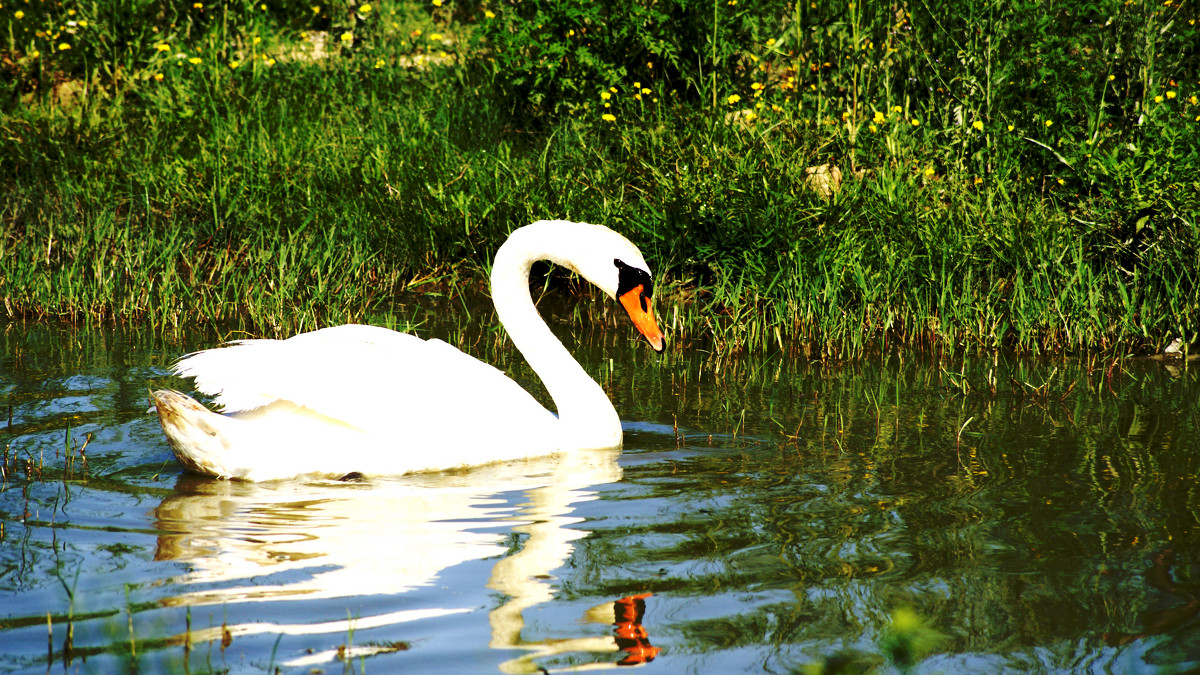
(765, 515)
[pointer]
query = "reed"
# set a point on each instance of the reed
(819, 181)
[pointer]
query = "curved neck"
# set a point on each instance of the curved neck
(585, 413)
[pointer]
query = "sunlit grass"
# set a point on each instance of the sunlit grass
(824, 184)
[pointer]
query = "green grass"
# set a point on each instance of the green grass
(1012, 176)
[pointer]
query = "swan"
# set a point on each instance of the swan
(365, 399)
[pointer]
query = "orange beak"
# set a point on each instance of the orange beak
(638, 307)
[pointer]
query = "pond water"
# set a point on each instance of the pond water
(765, 515)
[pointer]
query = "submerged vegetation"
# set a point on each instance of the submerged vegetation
(826, 178)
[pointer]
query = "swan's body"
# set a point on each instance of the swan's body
(370, 400)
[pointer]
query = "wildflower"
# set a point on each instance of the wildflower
(365, 9)
(158, 77)
(734, 98)
(1158, 99)
(435, 37)
(604, 95)
(488, 14)
(270, 62)
(316, 9)
(35, 53)
(1193, 100)
(607, 117)
(62, 46)
(1049, 123)
(195, 60)
(198, 5)
(916, 122)
(645, 90)
(613, 89)
(1060, 181)
(378, 63)
(756, 85)
(1170, 94)
(750, 116)
(897, 109)
(437, 3)
(234, 64)
(637, 85)
(19, 14)
(83, 23)
(263, 7)
(162, 47)
(879, 118)
(1111, 78)
(256, 40)
(1011, 127)
(873, 128)
(978, 180)
(977, 125)
(770, 42)
(929, 172)
(348, 36)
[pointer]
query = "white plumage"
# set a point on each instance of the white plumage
(367, 399)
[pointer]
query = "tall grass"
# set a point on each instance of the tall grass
(1004, 176)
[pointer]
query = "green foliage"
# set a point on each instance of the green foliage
(826, 179)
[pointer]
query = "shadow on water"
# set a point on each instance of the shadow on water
(766, 514)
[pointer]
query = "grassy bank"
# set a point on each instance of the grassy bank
(831, 180)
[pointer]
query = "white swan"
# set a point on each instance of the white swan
(370, 400)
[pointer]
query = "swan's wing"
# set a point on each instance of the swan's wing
(365, 376)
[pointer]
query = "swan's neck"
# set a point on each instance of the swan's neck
(586, 415)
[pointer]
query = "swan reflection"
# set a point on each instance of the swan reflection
(283, 542)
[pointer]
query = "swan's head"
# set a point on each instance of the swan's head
(603, 257)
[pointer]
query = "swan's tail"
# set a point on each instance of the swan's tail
(197, 435)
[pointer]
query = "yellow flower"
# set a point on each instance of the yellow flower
(645, 90)
(35, 53)
(162, 47)
(897, 109)
(916, 122)
(234, 64)
(488, 14)
(365, 9)
(978, 180)
(434, 37)
(378, 63)
(1170, 94)
(198, 5)
(929, 172)
(608, 118)
(19, 14)
(613, 89)
(977, 125)
(62, 46)
(270, 62)
(1060, 181)
(750, 116)
(316, 9)
(83, 23)
(571, 33)
(873, 128)
(1049, 123)
(756, 85)
(1111, 78)
(1158, 99)
(1011, 127)
(437, 3)
(1193, 100)
(637, 85)
(256, 40)
(348, 36)
(604, 95)
(734, 98)
(195, 60)
(158, 77)
(263, 7)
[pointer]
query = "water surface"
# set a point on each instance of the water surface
(766, 514)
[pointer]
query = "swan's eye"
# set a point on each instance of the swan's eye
(630, 277)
